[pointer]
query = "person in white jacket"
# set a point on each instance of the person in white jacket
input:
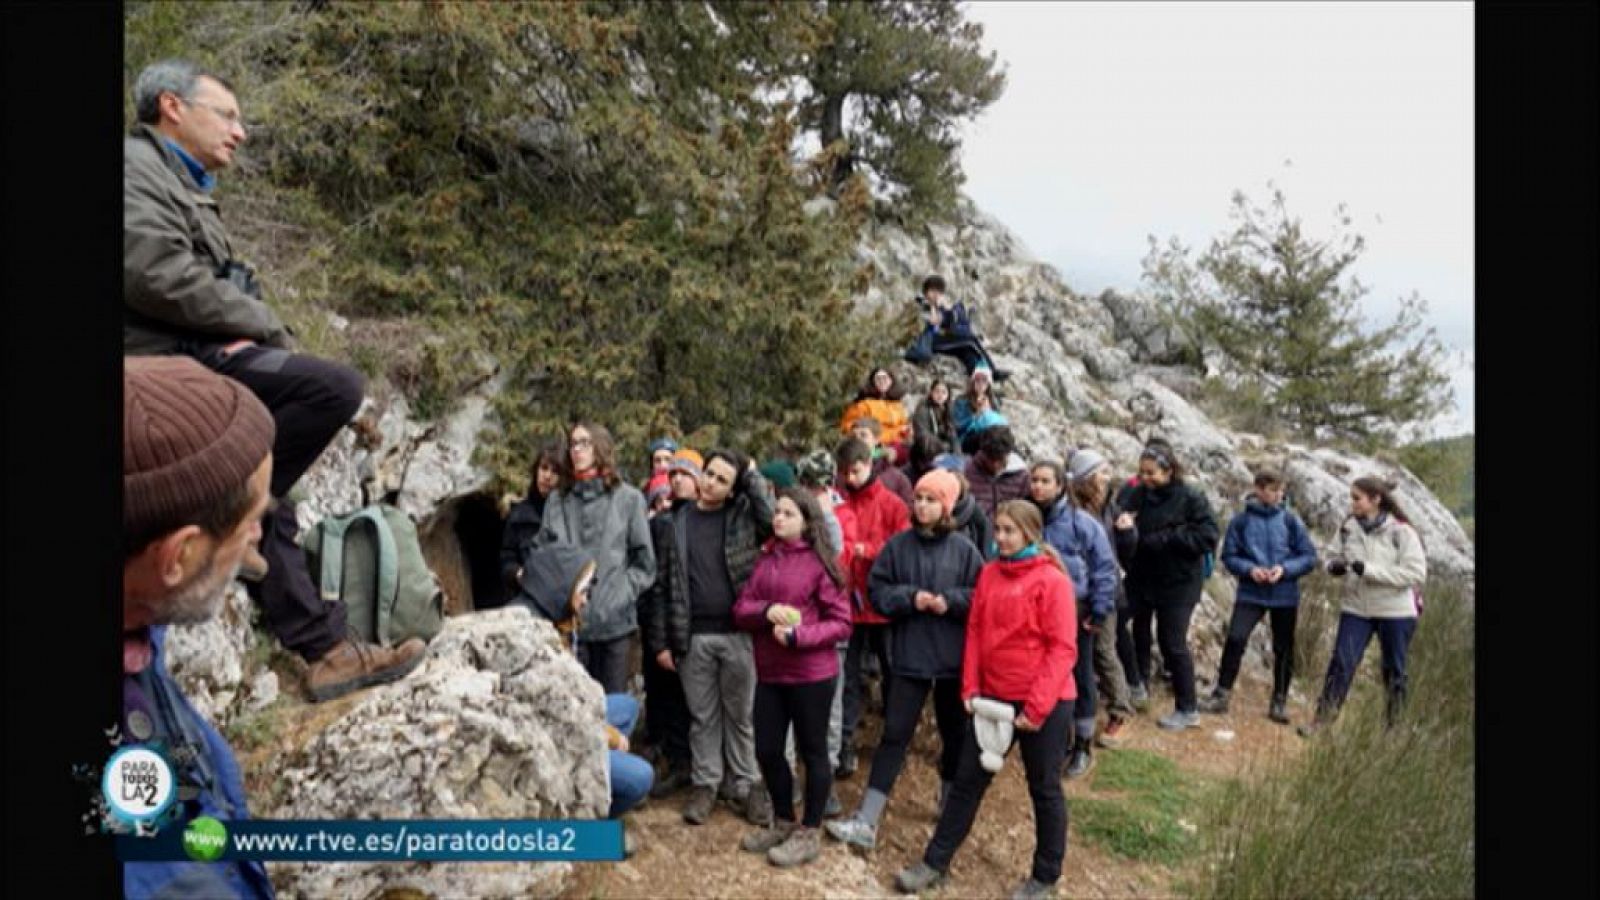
(1379, 558)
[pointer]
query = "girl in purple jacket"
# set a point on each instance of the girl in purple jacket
(795, 604)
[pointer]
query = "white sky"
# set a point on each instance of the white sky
(1122, 120)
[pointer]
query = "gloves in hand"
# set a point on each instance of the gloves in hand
(1359, 568)
(1336, 568)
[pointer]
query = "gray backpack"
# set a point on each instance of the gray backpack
(371, 560)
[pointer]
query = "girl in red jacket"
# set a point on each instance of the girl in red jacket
(1021, 645)
(794, 602)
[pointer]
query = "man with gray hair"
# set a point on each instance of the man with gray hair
(185, 293)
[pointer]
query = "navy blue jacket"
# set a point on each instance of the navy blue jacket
(1266, 536)
(1084, 547)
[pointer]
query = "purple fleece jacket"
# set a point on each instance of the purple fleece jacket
(789, 572)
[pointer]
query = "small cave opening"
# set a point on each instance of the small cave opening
(461, 542)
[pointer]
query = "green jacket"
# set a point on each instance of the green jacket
(173, 244)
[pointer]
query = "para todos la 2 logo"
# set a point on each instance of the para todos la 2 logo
(139, 784)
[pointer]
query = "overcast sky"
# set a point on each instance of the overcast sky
(1122, 120)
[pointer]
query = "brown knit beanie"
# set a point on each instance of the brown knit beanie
(189, 437)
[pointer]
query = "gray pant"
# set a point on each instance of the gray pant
(1108, 671)
(719, 684)
(835, 717)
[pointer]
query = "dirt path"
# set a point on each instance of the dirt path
(678, 860)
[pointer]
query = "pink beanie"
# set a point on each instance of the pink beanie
(943, 485)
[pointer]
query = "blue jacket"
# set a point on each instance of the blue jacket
(1084, 547)
(1268, 536)
(215, 774)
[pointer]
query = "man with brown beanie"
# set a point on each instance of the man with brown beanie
(197, 461)
(184, 293)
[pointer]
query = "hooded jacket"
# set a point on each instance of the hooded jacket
(1075, 533)
(971, 522)
(1022, 636)
(1394, 562)
(1176, 529)
(924, 644)
(611, 525)
(878, 515)
(789, 572)
(992, 490)
(1267, 536)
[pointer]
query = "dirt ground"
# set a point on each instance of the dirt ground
(675, 859)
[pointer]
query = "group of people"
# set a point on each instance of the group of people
(921, 547)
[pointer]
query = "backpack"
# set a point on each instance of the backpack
(371, 561)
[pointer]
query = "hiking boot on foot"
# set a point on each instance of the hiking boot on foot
(847, 761)
(1114, 733)
(758, 806)
(698, 809)
(352, 665)
(1081, 761)
(767, 838)
(1217, 703)
(675, 780)
(1177, 721)
(803, 845)
(1139, 696)
(1033, 890)
(833, 807)
(919, 876)
(1279, 710)
(853, 831)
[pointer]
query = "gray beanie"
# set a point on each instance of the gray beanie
(1084, 461)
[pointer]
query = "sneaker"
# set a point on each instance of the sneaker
(917, 877)
(1139, 696)
(803, 845)
(758, 806)
(1278, 711)
(1031, 889)
(853, 831)
(1217, 703)
(1080, 763)
(352, 665)
(676, 779)
(847, 761)
(833, 807)
(767, 838)
(698, 809)
(1177, 721)
(1115, 734)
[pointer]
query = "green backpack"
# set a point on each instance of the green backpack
(371, 560)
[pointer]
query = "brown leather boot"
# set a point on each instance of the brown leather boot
(352, 665)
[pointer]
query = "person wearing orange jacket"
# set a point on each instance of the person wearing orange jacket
(1022, 642)
(880, 399)
(877, 515)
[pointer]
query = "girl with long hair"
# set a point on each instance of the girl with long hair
(1115, 667)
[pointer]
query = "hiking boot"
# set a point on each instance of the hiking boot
(767, 838)
(1177, 721)
(352, 665)
(1114, 733)
(803, 845)
(675, 780)
(854, 831)
(1217, 703)
(833, 807)
(847, 761)
(698, 809)
(1081, 761)
(917, 877)
(1139, 696)
(1000, 375)
(1031, 890)
(758, 806)
(1278, 711)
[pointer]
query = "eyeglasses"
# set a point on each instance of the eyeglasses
(231, 116)
(582, 442)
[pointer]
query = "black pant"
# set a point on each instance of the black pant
(900, 722)
(1245, 618)
(666, 713)
(863, 637)
(1083, 708)
(806, 706)
(1042, 753)
(310, 400)
(606, 662)
(1172, 635)
(1125, 652)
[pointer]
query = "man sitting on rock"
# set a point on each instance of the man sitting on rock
(184, 293)
(197, 461)
(947, 329)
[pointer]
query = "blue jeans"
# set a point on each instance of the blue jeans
(1355, 633)
(631, 776)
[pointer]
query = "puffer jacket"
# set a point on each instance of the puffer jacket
(1394, 563)
(992, 490)
(173, 244)
(877, 515)
(924, 644)
(1022, 636)
(971, 522)
(790, 572)
(891, 414)
(746, 527)
(1176, 530)
(1075, 533)
(1263, 537)
(611, 525)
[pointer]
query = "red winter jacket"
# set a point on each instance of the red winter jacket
(1022, 636)
(878, 515)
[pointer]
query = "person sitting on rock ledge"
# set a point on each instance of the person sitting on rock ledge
(947, 330)
(977, 410)
(880, 399)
